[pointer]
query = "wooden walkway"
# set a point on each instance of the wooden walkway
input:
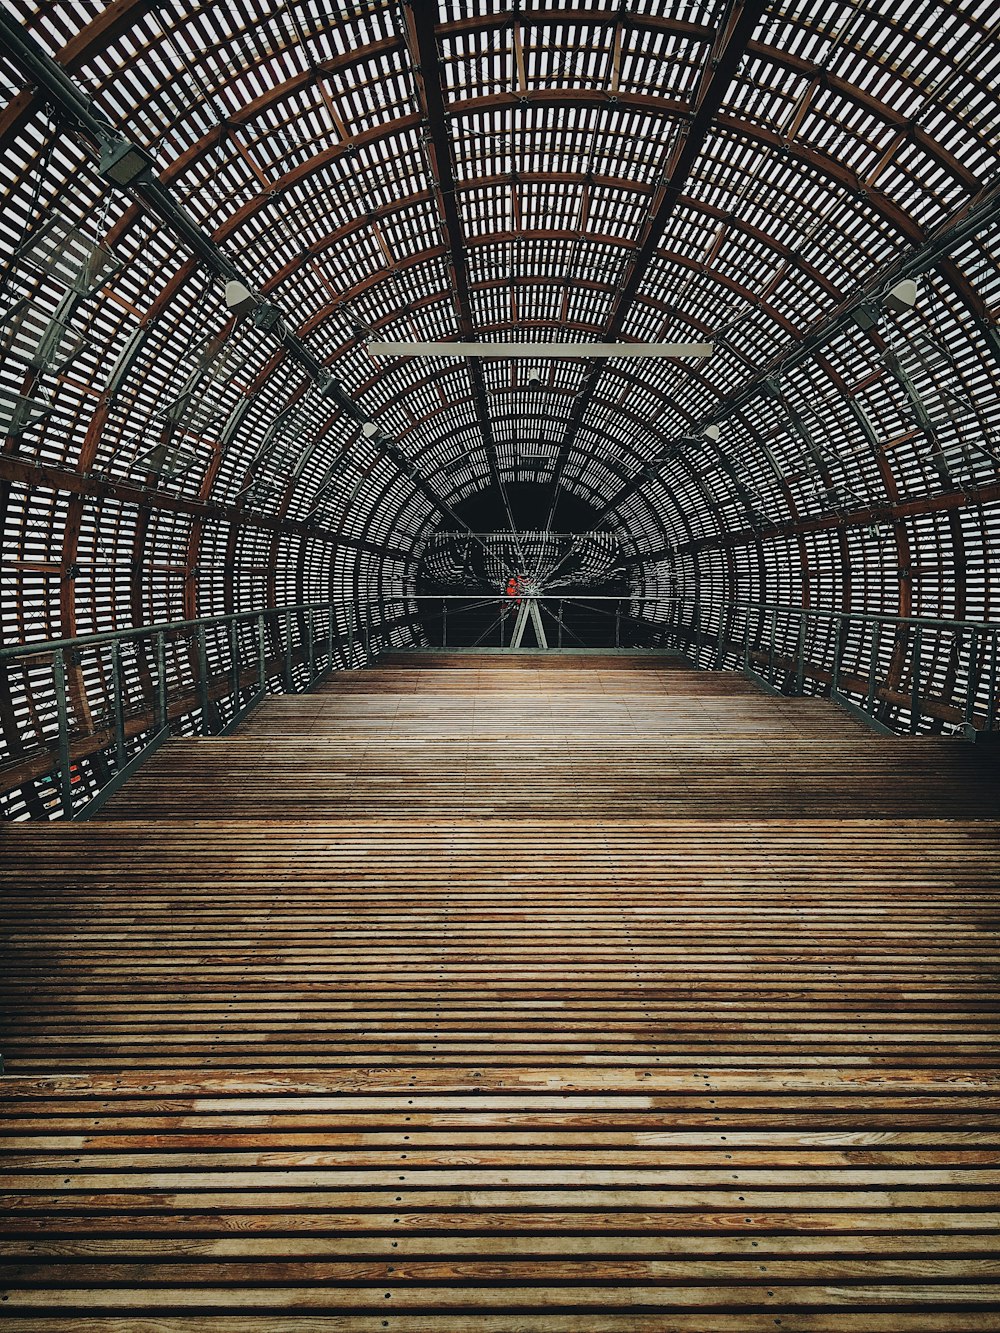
(481, 993)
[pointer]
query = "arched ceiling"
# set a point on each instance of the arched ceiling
(758, 176)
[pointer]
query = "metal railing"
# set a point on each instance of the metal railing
(89, 710)
(899, 673)
(903, 673)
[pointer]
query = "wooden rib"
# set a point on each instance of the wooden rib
(526, 994)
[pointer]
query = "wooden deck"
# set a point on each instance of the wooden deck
(481, 993)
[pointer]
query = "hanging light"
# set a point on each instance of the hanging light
(712, 432)
(902, 297)
(239, 298)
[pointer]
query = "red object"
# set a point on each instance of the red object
(515, 586)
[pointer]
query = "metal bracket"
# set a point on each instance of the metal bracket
(763, 684)
(237, 718)
(121, 777)
(860, 714)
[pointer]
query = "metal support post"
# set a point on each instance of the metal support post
(720, 652)
(444, 623)
(118, 702)
(972, 678)
(350, 636)
(161, 681)
(915, 682)
(873, 659)
(329, 631)
(234, 662)
(800, 671)
(991, 712)
(838, 635)
(62, 713)
(770, 651)
(559, 623)
(618, 624)
(261, 657)
(206, 708)
(310, 633)
(288, 652)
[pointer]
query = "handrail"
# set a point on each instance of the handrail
(169, 682)
(43, 646)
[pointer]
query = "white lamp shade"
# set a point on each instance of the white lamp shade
(239, 299)
(903, 297)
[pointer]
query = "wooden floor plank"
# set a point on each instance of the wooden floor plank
(521, 992)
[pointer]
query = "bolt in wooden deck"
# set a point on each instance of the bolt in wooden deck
(480, 993)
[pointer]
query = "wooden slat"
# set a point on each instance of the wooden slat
(497, 996)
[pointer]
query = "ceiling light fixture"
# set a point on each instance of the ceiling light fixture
(239, 297)
(902, 297)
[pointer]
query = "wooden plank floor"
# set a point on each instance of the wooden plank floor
(595, 994)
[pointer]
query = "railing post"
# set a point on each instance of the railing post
(161, 680)
(206, 717)
(915, 680)
(800, 672)
(720, 654)
(875, 646)
(350, 635)
(992, 705)
(770, 651)
(261, 657)
(310, 629)
(837, 649)
(234, 662)
(329, 630)
(559, 624)
(118, 702)
(618, 624)
(62, 714)
(288, 652)
(444, 622)
(972, 678)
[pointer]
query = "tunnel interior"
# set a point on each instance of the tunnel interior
(210, 219)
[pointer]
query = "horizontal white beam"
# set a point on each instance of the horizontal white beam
(526, 351)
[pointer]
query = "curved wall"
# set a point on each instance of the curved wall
(737, 174)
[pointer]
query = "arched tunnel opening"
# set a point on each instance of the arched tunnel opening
(499, 665)
(322, 344)
(477, 583)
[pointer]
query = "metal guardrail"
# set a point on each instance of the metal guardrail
(99, 704)
(902, 673)
(111, 698)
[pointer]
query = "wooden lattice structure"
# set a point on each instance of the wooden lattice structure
(756, 176)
